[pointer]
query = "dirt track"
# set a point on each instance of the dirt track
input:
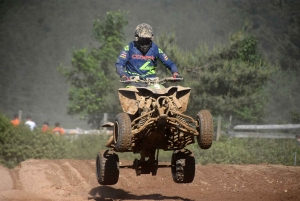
(66, 180)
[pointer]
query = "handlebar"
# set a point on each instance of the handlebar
(149, 81)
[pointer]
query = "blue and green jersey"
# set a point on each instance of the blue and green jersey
(131, 62)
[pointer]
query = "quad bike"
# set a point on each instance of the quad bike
(153, 119)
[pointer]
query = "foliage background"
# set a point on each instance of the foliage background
(91, 73)
(36, 36)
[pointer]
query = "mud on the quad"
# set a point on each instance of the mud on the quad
(153, 119)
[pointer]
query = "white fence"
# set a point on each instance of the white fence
(261, 135)
(238, 131)
(261, 131)
(75, 133)
(79, 131)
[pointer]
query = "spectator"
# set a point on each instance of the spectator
(30, 123)
(58, 130)
(45, 127)
(15, 121)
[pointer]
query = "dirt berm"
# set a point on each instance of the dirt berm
(72, 180)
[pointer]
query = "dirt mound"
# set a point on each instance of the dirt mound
(66, 180)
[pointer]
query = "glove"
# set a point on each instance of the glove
(124, 78)
(177, 76)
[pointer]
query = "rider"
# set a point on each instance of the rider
(139, 57)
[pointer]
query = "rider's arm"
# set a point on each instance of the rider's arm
(121, 62)
(167, 62)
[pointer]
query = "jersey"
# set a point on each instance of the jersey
(58, 131)
(131, 62)
(45, 128)
(15, 122)
(31, 124)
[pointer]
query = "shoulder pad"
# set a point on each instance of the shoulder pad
(126, 48)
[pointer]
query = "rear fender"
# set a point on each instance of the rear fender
(182, 94)
(128, 99)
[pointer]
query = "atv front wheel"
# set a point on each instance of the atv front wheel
(122, 132)
(206, 129)
(183, 166)
(107, 168)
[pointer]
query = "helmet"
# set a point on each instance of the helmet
(143, 31)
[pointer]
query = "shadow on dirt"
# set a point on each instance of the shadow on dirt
(108, 193)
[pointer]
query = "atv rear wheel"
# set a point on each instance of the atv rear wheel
(122, 132)
(183, 166)
(206, 129)
(107, 168)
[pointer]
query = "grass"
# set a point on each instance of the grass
(19, 144)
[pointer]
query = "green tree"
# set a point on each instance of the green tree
(227, 80)
(92, 76)
(5, 129)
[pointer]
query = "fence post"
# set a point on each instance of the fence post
(297, 147)
(219, 127)
(104, 120)
(20, 115)
(230, 123)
